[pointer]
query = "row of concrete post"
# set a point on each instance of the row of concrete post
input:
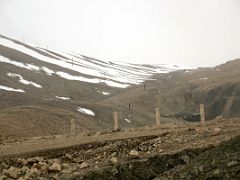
(117, 126)
(158, 122)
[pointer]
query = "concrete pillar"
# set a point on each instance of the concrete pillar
(202, 114)
(73, 126)
(157, 117)
(116, 122)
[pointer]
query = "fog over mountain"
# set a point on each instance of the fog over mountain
(189, 32)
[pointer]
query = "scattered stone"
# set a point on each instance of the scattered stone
(68, 156)
(217, 129)
(134, 153)
(39, 159)
(56, 177)
(39, 165)
(34, 165)
(200, 168)
(158, 140)
(3, 177)
(78, 160)
(67, 171)
(65, 166)
(186, 159)
(104, 154)
(89, 151)
(55, 167)
(76, 173)
(232, 163)
(21, 178)
(52, 161)
(178, 140)
(31, 160)
(4, 165)
(24, 169)
(219, 118)
(114, 160)
(114, 154)
(23, 162)
(98, 157)
(216, 172)
(83, 165)
(161, 150)
(43, 168)
(12, 172)
(33, 172)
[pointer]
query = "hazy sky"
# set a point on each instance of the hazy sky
(185, 32)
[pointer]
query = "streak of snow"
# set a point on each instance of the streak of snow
(93, 80)
(45, 99)
(48, 71)
(118, 74)
(86, 111)
(19, 64)
(11, 89)
(127, 120)
(63, 98)
(205, 78)
(61, 74)
(24, 81)
(104, 93)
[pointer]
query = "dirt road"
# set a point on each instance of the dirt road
(224, 129)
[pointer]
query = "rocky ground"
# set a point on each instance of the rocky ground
(192, 152)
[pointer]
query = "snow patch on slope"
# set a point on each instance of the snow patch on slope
(62, 74)
(11, 89)
(19, 64)
(116, 74)
(104, 93)
(24, 81)
(86, 111)
(48, 71)
(63, 98)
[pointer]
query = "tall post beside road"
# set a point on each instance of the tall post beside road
(116, 122)
(157, 117)
(202, 114)
(73, 127)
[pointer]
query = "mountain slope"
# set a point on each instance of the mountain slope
(43, 89)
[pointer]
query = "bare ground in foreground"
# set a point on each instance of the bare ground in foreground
(143, 153)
